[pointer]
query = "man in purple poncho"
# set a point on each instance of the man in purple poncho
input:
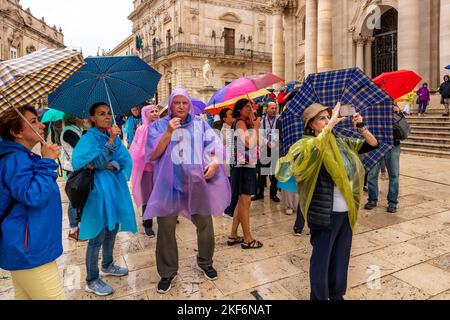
(189, 179)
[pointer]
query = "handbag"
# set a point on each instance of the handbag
(78, 187)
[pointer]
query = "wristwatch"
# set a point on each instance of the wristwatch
(360, 125)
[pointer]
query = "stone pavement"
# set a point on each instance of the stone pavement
(403, 256)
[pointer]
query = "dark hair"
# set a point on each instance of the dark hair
(11, 121)
(69, 120)
(238, 107)
(95, 106)
(223, 114)
(446, 77)
(425, 84)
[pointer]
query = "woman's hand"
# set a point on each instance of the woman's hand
(335, 117)
(115, 131)
(50, 151)
(110, 167)
(357, 118)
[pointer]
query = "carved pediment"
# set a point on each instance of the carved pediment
(230, 17)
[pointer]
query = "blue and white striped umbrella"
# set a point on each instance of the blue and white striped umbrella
(349, 86)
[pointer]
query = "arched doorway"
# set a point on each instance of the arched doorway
(384, 48)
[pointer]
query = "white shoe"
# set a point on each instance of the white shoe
(289, 212)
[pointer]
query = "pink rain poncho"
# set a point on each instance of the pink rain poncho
(142, 174)
(179, 184)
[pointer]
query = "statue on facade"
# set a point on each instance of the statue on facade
(207, 73)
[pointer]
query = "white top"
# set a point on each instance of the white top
(339, 202)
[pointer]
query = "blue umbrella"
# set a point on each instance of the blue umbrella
(447, 67)
(293, 83)
(123, 82)
(350, 86)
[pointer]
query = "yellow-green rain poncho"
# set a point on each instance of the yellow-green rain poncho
(340, 157)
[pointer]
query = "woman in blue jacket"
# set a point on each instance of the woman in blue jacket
(30, 235)
(109, 206)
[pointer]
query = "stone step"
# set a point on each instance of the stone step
(428, 124)
(426, 152)
(429, 128)
(428, 119)
(441, 140)
(433, 134)
(426, 146)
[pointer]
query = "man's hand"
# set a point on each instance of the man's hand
(211, 170)
(174, 124)
(50, 151)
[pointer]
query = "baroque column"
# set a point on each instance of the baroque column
(278, 38)
(325, 36)
(444, 37)
(360, 41)
(368, 56)
(311, 37)
(409, 35)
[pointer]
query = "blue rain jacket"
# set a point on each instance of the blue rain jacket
(32, 234)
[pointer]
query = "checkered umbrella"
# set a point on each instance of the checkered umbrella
(32, 77)
(350, 86)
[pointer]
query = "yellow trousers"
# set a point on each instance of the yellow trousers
(41, 283)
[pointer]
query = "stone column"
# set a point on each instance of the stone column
(311, 37)
(278, 38)
(360, 41)
(409, 35)
(444, 50)
(325, 36)
(368, 56)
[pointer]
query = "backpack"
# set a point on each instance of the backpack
(78, 187)
(402, 129)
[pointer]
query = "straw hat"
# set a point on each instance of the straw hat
(312, 111)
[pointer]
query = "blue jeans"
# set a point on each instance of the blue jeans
(73, 216)
(106, 239)
(392, 159)
(423, 107)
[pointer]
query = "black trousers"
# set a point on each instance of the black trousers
(330, 258)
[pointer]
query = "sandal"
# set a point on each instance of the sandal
(255, 244)
(233, 241)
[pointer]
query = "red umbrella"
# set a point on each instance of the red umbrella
(398, 83)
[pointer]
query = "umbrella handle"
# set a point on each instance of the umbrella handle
(109, 101)
(24, 119)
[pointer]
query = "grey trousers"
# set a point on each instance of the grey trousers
(167, 249)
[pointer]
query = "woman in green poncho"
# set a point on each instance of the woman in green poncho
(330, 178)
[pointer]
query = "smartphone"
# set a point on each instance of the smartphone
(347, 110)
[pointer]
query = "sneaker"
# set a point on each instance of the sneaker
(228, 216)
(384, 176)
(74, 235)
(209, 272)
(114, 271)
(289, 212)
(149, 232)
(256, 198)
(99, 288)
(366, 189)
(392, 208)
(165, 284)
(297, 233)
(370, 205)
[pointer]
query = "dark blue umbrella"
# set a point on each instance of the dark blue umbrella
(350, 86)
(447, 67)
(122, 82)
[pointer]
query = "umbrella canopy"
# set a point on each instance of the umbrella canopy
(199, 106)
(52, 115)
(30, 78)
(123, 82)
(398, 83)
(447, 67)
(350, 86)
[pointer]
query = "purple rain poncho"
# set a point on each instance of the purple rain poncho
(142, 173)
(179, 185)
